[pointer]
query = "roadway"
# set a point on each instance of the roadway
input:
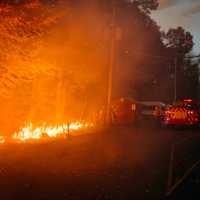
(116, 163)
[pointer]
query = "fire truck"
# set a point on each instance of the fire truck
(123, 111)
(185, 112)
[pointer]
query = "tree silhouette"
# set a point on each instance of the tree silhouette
(178, 40)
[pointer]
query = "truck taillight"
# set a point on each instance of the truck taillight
(193, 116)
(190, 112)
(168, 112)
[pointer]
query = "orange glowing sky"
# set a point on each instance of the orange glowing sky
(186, 13)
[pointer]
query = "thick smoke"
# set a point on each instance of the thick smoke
(53, 62)
(55, 57)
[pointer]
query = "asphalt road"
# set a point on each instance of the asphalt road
(117, 163)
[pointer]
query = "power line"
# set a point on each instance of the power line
(165, 57)
(152, 56)
(192, 57)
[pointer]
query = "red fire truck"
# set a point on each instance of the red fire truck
(184, 112)
(123, 111)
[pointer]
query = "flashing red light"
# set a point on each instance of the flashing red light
(190, 112)
(187, 100)
(168, 112)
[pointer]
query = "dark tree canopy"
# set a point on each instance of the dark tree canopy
(146, 5)
(179, 40)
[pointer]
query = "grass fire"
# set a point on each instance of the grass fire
(47, 74)
(31, 132)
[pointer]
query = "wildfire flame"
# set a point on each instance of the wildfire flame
(2, 140)
(31, 41)
(30, 133)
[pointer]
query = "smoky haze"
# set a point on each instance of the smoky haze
(76, 52)
(58, 74)
(56, 66)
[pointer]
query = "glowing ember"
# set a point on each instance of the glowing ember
(2, 140)
(29, 132)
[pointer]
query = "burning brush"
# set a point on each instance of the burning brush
(30, 132)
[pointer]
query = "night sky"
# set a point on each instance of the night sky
(186, 13)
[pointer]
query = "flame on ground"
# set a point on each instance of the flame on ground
(2, 140)
(30, 132)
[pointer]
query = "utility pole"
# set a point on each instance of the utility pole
(175, 80)
(111, 63)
